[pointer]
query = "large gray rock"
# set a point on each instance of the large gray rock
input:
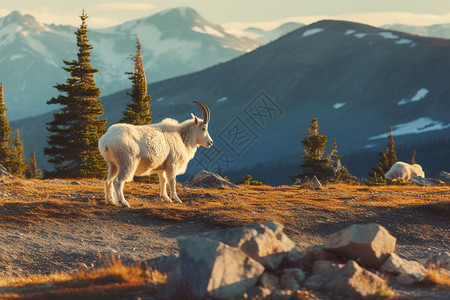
(266, 243)
(205, 179)
(209, 268)
(368, 244)
(410, 271)
(425, 181)
(444, 177)
(349, 281)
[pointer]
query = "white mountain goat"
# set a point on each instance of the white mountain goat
(164, 148)
(404, 171)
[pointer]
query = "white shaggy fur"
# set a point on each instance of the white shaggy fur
(164, 148)
(404, 171)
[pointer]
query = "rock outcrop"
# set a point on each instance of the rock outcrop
(205, 179)
(259, 261)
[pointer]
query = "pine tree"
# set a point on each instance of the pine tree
(5, 132)
(385, 162)
(138, 111)
(314, 162)
(33, 172)
(18, 165)
(76, 129)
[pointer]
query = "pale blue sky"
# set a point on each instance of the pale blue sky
(111, 12)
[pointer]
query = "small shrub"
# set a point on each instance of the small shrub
(376, 179)
(247, 180)
(226, 178)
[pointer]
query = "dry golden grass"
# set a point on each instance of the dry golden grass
(27, 202)
(436, 276)
(60, 200)
(114, 279)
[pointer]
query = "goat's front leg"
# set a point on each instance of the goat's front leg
(173, 186)
(162, 184)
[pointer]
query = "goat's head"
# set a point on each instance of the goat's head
(201, 126)
(418, 171)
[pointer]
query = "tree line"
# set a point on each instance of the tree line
(77, 127)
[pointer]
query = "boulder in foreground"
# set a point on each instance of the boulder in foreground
(209, 268)
(369, 244)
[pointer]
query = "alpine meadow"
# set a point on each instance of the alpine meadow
(265, 155)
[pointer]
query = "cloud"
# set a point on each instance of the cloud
(125, 6)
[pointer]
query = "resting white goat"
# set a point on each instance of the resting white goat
(164, 148)
(404, 171)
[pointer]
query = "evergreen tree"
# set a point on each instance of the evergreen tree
(33, 172)
(76, 129)
(17, 164)
(314, 162)
(138, 111)
(5, 132)
(385, 162)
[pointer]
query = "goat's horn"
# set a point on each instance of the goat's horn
(205, 111)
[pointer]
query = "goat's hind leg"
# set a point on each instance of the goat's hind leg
(163, 187)
(171, 177)
(126, 173)
(110, 194)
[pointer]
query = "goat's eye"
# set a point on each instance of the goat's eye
(204, 129)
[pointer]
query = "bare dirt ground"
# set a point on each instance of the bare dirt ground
(50, 226)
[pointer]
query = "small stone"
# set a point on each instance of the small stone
(444, 177)
(270, 281)
(440, 260)
(314, 253)
(291, 279)
(397, 265)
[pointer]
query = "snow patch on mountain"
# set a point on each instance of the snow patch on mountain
(312, 31)
(360, 35)
(418, 126)
(349, 31)
(420, 94)
(339, 105)
(388, 35)
(403, 41)
(223, 99)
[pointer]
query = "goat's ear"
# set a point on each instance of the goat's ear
(196, 121)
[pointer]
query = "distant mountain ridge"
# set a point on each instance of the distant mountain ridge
(356, 79)
(437, 31)
(174, 42)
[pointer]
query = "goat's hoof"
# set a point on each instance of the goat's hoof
(177, 200)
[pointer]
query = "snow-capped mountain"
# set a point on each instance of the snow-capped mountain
(356, 79)
(438, 31)
(174, 42)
